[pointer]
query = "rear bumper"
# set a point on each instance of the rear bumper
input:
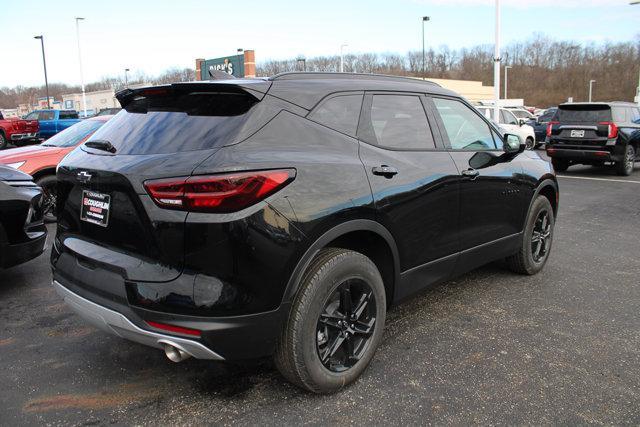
(113, 322)
(583, 155)
(23, 136)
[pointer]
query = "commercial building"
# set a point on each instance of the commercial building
(473, 91)
(240, 65)
(96, 101)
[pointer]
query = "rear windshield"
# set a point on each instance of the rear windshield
(584, 114)
(168, 122)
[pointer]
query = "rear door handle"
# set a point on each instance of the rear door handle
(384, 170)
(471, 173)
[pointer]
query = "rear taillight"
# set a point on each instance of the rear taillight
(612, 131)
(550, 127)
(218, 193)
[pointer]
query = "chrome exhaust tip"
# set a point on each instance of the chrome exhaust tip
(174, 353)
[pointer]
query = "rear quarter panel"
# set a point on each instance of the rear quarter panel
(260, 247)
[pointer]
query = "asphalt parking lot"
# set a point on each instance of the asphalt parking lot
(490, 347)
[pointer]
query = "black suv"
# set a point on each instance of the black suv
(595, 133)
(239, 219)
(22, 230)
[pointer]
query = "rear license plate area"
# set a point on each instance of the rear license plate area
(95, 208)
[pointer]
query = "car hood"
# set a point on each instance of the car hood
(24, 153)
(10, 174)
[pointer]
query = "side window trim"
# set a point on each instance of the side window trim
(336, 95)
(366, 133)
(443, 133)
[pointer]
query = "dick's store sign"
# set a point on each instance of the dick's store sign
(233, 65)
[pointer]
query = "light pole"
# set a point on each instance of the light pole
(496, 67)
(506, 79)
(638, 88)
(342, 46)
(84, 98)
(591, 82)
(44, 62)
(126, 81)
(424, 19)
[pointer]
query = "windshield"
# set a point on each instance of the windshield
(74, 135)
(521, 114)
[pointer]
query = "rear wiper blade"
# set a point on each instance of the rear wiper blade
(101, 145)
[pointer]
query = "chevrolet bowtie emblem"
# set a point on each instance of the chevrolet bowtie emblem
(84, 176)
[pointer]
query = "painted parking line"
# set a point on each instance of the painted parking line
(598, 179)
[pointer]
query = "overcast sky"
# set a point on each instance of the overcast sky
(152, 36)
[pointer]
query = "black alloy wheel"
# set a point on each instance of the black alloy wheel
(541, 236)
(346, 325)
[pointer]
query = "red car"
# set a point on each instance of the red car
(17, 131)
(40, 161)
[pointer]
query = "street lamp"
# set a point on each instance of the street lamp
(506, 79)
(44, 62)
(342, 46)
(424, 19)
(496, 67)
(638, 88)
(126, 81)
(84, 99)
(591, 82)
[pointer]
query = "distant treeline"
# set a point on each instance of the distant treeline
(545, 72)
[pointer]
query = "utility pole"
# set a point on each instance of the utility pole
(342, 46)
(84, 98)
(424, 75)
(44, 62)
(496, 67)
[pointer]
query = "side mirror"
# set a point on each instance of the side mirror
(512, 144)
(521, 122)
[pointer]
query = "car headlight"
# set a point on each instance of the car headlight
(16, 165)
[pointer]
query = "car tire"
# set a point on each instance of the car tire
(307, 334)
(3, 141)
(536, 241)
(560, 165)
(530, 143)
(49, 186)
(625, 167)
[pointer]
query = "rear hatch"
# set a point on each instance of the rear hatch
(106, 219)
(582, 125)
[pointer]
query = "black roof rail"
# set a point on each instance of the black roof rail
(314, 75)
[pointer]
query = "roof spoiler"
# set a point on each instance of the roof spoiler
(255, 88)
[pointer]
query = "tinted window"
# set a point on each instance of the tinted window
(340, 113)
(584, 114)
(46, 115)
(68, 115)
(521, 114)
(635, 114)
(75, 134)
(32, 116)
(465, 129)
(399, 121)
(174, 122)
